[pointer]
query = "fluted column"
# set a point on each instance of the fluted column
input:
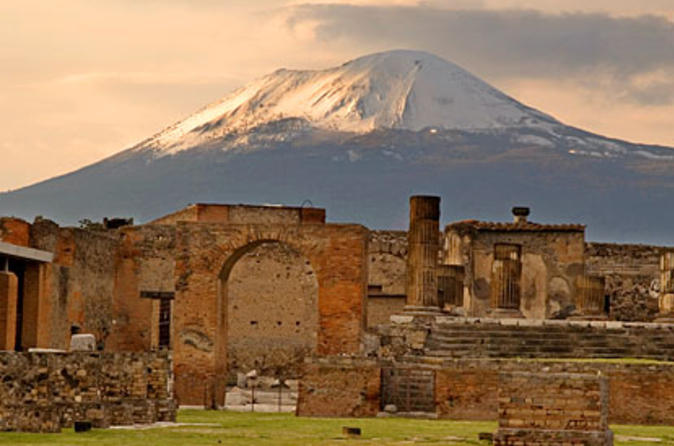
(422, 253)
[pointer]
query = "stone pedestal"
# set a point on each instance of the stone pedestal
(552, 409)
(422, 257)
(9, 286)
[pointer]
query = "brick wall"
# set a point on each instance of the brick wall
(14, 231)
(144, 262)
(206, 253)
(272, 311)
(339, 387)
(42, 392)
(554, 409)
(467, 389)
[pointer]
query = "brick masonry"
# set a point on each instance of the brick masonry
(206, 254)
(43, 392)
(467, 389)
(340, 388)
(553, 409)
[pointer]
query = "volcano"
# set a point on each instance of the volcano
(358, 139)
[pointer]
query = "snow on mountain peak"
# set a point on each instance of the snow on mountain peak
(399, 89)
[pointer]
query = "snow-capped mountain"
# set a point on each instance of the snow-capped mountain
(358, 139)
(406, 90)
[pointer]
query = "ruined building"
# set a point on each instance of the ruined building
(230, 288)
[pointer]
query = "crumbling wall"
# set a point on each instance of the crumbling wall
(339, 387)
(387, 272)
(14, 231)
(552, 263)
(632, 278)
(77, 288)
(42, 392)
(144, 263)
(272, 311)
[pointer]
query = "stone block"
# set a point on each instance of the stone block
(83, 343)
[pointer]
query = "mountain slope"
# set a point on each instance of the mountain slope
(359, 139)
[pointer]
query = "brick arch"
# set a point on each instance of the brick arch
(207, 251)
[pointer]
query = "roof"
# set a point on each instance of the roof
(22, 252)
(476, 225)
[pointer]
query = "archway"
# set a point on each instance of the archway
(269, 293)
(205, 257)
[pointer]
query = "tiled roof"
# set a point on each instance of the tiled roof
(514, 227)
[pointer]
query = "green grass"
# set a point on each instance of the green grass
(229, 428)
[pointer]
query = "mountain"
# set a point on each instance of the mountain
(360, 138)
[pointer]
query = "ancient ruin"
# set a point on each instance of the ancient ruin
(420, 321)
(553, 409)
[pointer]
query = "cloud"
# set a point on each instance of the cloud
(510, 43)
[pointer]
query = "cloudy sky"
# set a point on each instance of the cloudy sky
(83, 79)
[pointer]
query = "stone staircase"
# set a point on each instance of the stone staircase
(570, 340)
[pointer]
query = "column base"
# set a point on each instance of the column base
(588, 317)
(665, 318)
(505, 313)
(418, 310)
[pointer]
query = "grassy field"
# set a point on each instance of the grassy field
(229, 428)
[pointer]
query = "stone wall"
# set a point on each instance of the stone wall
(77, 288)
(632, 278)
(339, 387)
(467, 389)
(42, 392)
(272, 312)
(387, 271)
(551, 264)
(555, 409)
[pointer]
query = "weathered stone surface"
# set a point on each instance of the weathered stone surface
(82, 343)
(42, 392)
(340, 388)
(552, 409)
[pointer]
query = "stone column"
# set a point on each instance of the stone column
(422, 254)
(9, 286)
(666, 302)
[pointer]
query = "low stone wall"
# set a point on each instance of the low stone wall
(467, 389)
(554, 409)
(339, 388)
(43, 392)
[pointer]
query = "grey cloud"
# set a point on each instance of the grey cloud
(660, 93)
(507, 43)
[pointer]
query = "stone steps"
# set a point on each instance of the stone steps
(492, 340)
